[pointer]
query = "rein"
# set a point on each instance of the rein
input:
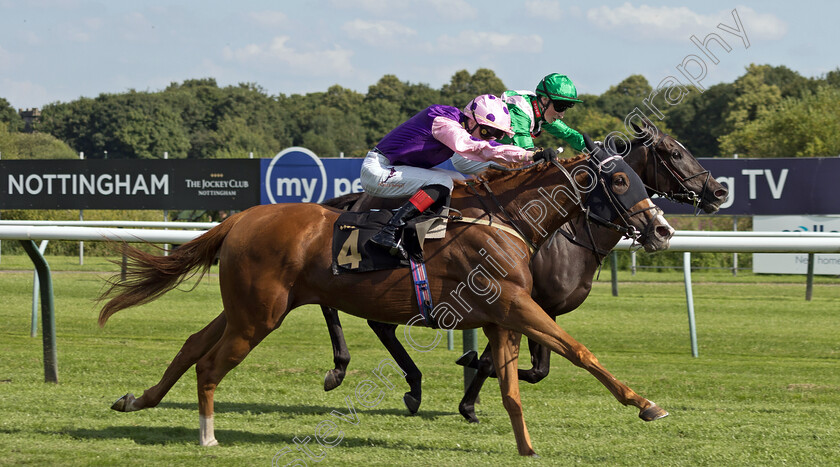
(507, 217)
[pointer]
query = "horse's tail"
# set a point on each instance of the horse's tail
(149, 276)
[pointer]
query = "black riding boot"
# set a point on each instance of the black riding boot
(387, 237)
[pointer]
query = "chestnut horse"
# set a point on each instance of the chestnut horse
(275, 258)
(665, 166)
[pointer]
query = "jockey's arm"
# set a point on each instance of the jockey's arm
(568, 134)
(450, 133)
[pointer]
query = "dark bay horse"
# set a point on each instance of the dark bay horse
(665, 166)
(275, 258)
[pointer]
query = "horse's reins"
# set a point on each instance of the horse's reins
(507, 217)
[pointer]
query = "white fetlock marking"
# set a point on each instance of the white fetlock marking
(206, 434)
(129, 403)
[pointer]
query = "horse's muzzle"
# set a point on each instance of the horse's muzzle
(658, 233)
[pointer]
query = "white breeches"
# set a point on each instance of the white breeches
(467, 166)
(380, 178)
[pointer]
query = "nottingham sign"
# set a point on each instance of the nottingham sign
(129, 184)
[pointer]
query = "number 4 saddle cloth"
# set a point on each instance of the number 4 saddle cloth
(353, 252)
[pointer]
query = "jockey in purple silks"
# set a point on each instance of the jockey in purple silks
(403, 163)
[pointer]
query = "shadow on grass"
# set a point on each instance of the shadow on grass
(258, 408)
(170, 435)
(162, 436)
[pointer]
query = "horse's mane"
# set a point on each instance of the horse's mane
(513, 170)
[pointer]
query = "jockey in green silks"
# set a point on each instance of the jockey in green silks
(531, 113)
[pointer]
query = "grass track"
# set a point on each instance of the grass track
(765, 390)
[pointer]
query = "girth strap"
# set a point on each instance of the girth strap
(421, 290)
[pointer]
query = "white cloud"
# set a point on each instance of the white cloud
(454, 9)
(759, 25)
(269, 18)
(382, 7)
(472, 41)
(377, 32)
(677, 22)
(547, 9)
(318, 62)
(651, 20)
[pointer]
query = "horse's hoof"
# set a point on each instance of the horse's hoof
(124, 403)
(411, 403)
(469, 359)
(331, 381)
(210, 443)
(654, 412)
(468, 413)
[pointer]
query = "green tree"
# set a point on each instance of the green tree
(753, 98)
(10, 116)
(620, 100)
(72, 123)
(832, 78)
(140, 125)
(463, 87)
(16, 145)
(696, 119)
(805, 127)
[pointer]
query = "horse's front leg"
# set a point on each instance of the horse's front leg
(387, 334)
(341, 355)
(537, 325)
(505, 347)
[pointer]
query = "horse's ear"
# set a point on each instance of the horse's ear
(639, 131)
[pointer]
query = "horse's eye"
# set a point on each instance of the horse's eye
(676, 155)
(620, 183)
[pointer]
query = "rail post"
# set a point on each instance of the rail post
(47, 310)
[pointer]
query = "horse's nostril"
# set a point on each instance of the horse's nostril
(663, 231)
(721, 193)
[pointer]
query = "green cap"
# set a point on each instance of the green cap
(558, 87)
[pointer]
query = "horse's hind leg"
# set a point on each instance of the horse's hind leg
(484, 369)
(540, 358)
(232, 347)
(505, 347)
(194, 348)
(540, 361)
(387, 334)
(341, 355)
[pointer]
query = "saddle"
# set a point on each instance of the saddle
(352, 252)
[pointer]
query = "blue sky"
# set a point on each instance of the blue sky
(60, 50)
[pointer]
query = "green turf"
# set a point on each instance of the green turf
(765, 390)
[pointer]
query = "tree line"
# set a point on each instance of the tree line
(769, 111)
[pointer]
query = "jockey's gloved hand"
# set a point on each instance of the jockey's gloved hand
(545, 154)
